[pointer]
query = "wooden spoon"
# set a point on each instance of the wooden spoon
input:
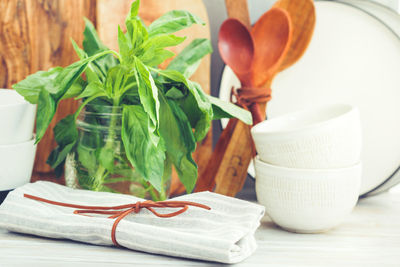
(229, 162)
(302, 14)
(272, 36)
(236, 47)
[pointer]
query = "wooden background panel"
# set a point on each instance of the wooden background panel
(35, 35)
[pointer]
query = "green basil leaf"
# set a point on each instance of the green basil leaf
(76, 88)
(66, 136)
(180, 142)
(125, 48)
(148, 92)
(80, 52)
(45, 112)
(173, 21)
(196, 105)
(32, 85)
(93, 73)
(174, 93)
(92, 45)
(162, 41)
(154, 52)
(65, 131)
(136, 32)
(91, 42)
(58, 155)
(48, 101)
(92, 89)
(67, 77)
(134, 10)
(138, 138)
(156, 57)
(115, 82)
(87, 157)
(106, 158)
(203, 124)
(223, 109)
(187, 61)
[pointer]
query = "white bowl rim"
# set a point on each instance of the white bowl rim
(19, 100)
(26, 143)
(303, 170)
(259, 129)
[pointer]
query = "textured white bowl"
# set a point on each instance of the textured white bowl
(319, 138)
(16, 164)
(17, 117)
(307, 201)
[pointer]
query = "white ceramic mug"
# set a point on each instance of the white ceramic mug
(318, 138)
(17, 117)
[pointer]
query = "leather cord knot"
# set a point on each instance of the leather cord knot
(249, 98)
(121, 211)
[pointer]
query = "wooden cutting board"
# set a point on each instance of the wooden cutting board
(35, 35)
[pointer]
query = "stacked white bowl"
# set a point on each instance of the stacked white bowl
(308, 169)
(17, 148)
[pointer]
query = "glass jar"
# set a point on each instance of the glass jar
(98, 161)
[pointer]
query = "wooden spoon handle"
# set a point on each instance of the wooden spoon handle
(238, 9)
(206, 181)
(232, 171)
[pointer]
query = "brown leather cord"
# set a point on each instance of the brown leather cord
(250, 98)
(121, 211)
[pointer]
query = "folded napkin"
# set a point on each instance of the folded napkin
(225, 233)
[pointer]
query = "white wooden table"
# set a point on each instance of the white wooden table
(369, 237)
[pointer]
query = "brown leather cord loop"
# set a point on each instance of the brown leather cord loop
(249, 98)
(121, 211)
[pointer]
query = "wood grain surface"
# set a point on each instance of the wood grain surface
(35, 35)
(369, 237)
(302, 15)
(232, 171)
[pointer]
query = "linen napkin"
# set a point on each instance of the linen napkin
(223, 234)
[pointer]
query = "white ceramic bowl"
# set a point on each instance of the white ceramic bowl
(16, 164)
(17, 117)
(319, 138)
(306, 200)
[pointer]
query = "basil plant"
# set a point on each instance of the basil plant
(164, 113)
